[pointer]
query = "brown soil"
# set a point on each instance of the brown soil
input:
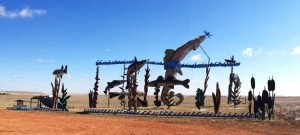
(22, 122)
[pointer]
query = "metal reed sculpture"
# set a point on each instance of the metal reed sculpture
(64, 98)
(200, 94)
(96, 86)
(147, 75)
(91, 94)
(217, 99)
(235, 94)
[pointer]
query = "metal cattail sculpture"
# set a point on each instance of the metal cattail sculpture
(91, 93)
(271, 98)
(253, 85)
(265, 96)
(261, 106)
(256, 106)
(250, 97)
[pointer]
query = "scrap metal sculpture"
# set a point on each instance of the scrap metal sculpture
(56, 87)
(172, 63)
(131, 81)
(96, 86)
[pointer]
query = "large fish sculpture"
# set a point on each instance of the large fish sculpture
(170, 82)
(134, 67)
(173, 58)
(60, 72)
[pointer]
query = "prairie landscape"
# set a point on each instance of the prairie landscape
(38, 122)
(149, 47)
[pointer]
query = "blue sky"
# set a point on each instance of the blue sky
(37, 37)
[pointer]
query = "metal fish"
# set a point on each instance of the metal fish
(60, 72)
(170, 82)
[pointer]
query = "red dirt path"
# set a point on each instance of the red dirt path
(21, 122)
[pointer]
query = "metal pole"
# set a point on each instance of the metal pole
(205, 54)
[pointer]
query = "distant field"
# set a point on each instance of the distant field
(80, 101)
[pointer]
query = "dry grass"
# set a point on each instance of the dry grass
(80, 101)
(22, 122)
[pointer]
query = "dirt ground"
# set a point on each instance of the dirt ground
(22, 122)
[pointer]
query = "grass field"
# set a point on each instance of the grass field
(78, 102)
(24, 122)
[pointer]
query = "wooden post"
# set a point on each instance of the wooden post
(30, 102)
(39, 101)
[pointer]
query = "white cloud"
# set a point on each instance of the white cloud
(44, 60)
(276, 52)
(259, 51)
(296, 50)
(14, 77)
(2, 11)
(197, 57)
(24, 13)
(193, 80)
(248, 52)
(69, 76)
